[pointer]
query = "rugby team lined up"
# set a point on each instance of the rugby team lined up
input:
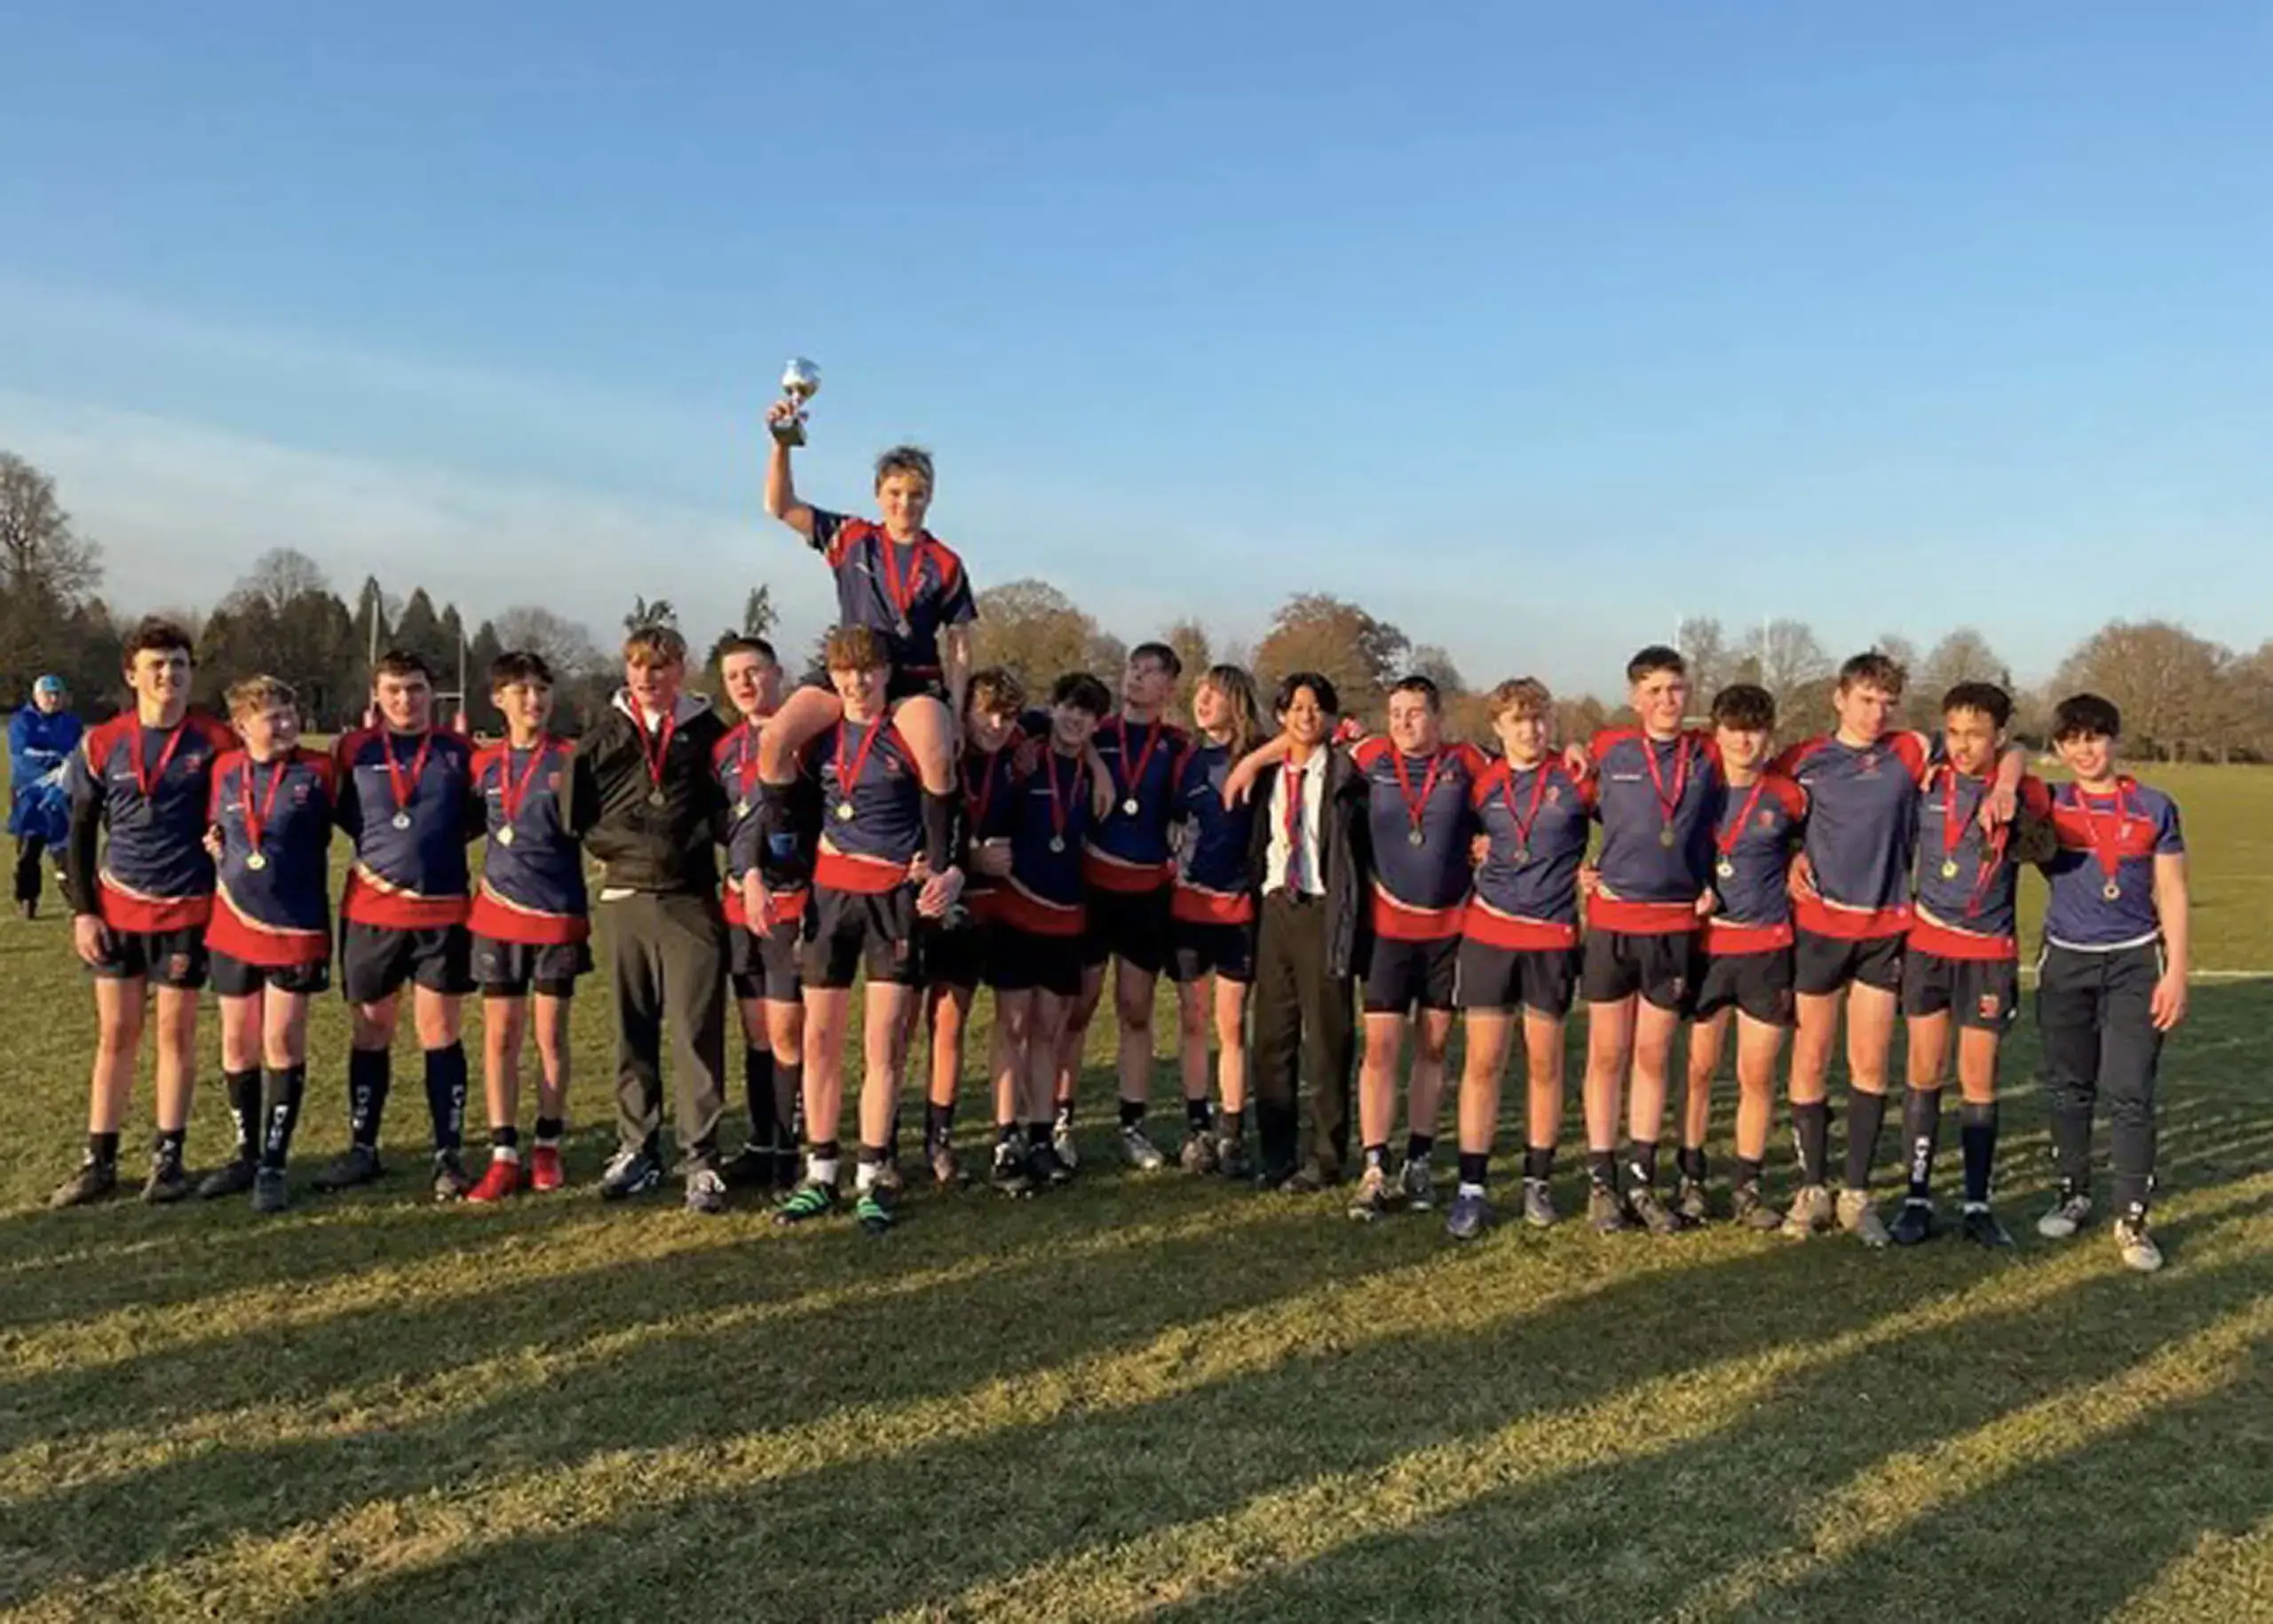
(1326, 901)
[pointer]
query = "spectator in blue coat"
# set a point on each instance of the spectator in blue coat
(41, 737)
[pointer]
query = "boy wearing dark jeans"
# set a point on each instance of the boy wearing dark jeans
(648, 808)
(2112, 978)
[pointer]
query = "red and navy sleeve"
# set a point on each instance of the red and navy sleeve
(957, 606)
(834, 535)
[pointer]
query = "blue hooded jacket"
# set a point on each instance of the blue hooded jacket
(39, 744)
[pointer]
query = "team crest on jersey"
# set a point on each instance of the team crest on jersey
(300, 794)
(1767, 819)
(1991, 1006)
(1868, 767)
(1553, 793)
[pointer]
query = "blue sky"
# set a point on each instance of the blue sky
(1532, 328)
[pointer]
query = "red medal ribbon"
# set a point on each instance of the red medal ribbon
(1143, 757)
(976, 801)
(902, 594)
(1667, 805)
(848, 779)
(1727, 840)
(394, 772)
(746, 773)
(1993, 844)
(256, 818)
(148, 782)
(511, 796)
(1530, 815)
(2110, 860)
(654, 754)
(1057, 809)
(1416, 806)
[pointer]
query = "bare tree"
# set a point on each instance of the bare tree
(1964, 655)
(1036, 632)
(1704, 650)
(1785, 658)
(2168, 683)
(41, 558)
(567, 645)
(1436, 664)
(1315, 632)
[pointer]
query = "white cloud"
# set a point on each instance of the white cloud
(182, 509)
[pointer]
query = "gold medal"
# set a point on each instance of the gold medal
(1415, 838)
(1949, 869)
(402, 820)
(1726, 868)
(1128, 807)
(655, 798)
(1522, 854)
(845, 812)
(1664, 837)
(2112, 891)
(257, 861)
(741, 809)
(1058, 842)
(505, 835)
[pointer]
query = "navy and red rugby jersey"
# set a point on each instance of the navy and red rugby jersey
(272, 906)
(152, 789)
(907, 592)
(1215, 877)
(2109, 843)
(1128, 851)
(733, 763)
(1754, 828)
(1046, 821)
(1862, 821)
(531, 887)
(1535, 823)
(1655, 798)
(405, 800)
(1420, 890)
(871, 805)
(1968, 886)
(989, 790)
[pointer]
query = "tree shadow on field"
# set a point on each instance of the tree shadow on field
(871, 1337)
(917, 1528)
(1638, 1537)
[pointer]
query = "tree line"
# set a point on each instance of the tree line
(2183, 697)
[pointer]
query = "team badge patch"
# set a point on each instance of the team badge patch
(1553, 793)
(1767, 819)
(177, 967)
(1991, 1006)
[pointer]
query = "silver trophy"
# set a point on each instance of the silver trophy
(800, 383)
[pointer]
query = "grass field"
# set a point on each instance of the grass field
(1145, 1395)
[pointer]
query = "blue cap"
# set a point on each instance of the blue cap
(50, 684)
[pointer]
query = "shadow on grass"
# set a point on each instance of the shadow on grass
(916, 1528)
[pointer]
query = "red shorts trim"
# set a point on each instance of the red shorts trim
(1932, 936)
(1487, 924)
(494, 917)
(1640, 918)
(1195, 905)
(1853, 924)
(863, 875)
(149, 915)
(1723, 941)
(1107, 872)
(1021, 910)
(1400, 922)
(788, 905)
(269, 946)
(371, 904)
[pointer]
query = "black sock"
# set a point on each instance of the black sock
(1921, 1135)
(1231, 1124)
(1377, 1156)
(103, 1147)
(1865, 1116)
(1132, 1113)
(167, 1145)
(244, 1107)
(757, 1092)
(369, 1075)
(280, 1111)
(938, 1124)
(1037, 1135)
(549, 1130)
(1751, 1171)
(1008, 1133)
(788, 1104)
(505, 1138)
(1976, 1137)
(445, 1095)
(1602, 1168)
(1197, 1116)
(1811, 1139)
(1690, 1159)
(1417, 1146)
(1641, 1164)
(873, 1155)
(1473, 1167)
(1539, 1163)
